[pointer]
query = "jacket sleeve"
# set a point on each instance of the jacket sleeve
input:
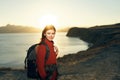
(40, 59)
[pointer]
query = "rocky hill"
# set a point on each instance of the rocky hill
(100, 62)
(98, 35)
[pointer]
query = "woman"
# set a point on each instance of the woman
(48, 35)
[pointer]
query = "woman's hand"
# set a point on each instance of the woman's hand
(56, 50)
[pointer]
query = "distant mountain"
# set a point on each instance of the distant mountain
(18, 29)
(24, 29)
(65, 29)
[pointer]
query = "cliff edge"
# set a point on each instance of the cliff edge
(102, 59)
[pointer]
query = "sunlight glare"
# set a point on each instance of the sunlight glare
(47, 20)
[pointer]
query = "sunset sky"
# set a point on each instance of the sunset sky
(62, 13)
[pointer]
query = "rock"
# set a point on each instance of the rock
(97, 35)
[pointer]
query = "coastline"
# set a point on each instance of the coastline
(100, 62)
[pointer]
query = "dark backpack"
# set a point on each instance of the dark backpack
(30, 61)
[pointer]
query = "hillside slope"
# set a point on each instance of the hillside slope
(100, 62)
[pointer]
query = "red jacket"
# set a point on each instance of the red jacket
(41, 52)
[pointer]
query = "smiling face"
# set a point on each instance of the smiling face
(50, 34)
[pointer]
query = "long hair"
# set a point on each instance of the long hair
(47, 27)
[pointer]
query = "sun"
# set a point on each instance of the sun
(48, 20)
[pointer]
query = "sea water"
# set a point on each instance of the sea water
(13, 47)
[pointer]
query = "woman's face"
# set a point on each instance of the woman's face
(50, 34)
